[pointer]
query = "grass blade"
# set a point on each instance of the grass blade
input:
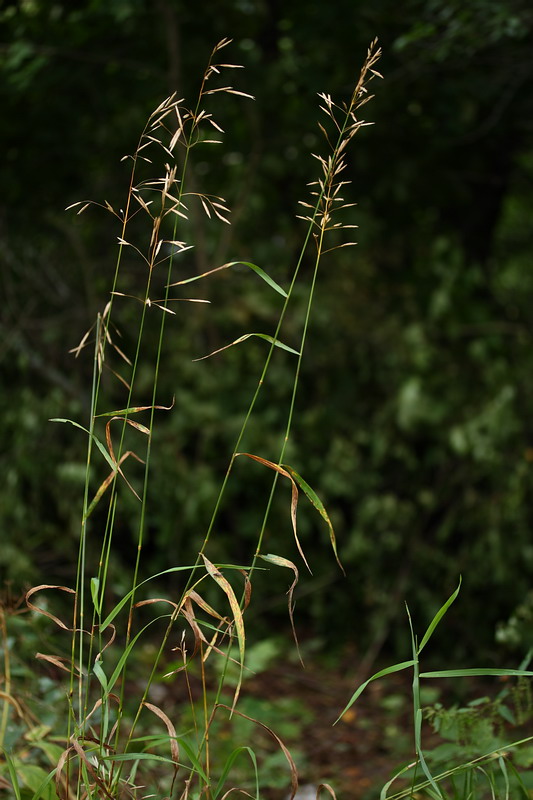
(318, 504)
(477, 672)
(237, 616)
(284, 562)
(380, 674)
(261, 272)
(228, 765)
(97, 441)
(265, 336)
(437, 618)
(12, 774)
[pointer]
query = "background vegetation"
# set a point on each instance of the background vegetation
(416, 426)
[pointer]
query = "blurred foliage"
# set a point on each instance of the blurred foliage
(413, 415)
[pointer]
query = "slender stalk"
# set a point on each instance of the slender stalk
(7, 675)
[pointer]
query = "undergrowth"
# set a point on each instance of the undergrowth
(120, 737)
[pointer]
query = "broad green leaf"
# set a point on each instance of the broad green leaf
(52, 751)
(398, 774)
(155, 739)
(437, 618)
(262, 274)
(380, 674)
(421, 757)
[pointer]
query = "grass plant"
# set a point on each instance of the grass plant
(121, 739)
(117, 745)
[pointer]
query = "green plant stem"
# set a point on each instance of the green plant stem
(7, 675)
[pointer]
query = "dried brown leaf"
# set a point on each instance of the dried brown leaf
(284, 562)
(328, 789)
(237, 616)
(42, 611)
(173, 736)
(60, 662)
(294, 496)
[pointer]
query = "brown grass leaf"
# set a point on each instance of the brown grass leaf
(61, 788)
(198, 599)
(237, 616)
(173, 736)
(39, 610)
(8, 698)
(156, 600)
(109, 642)
(110, 478)
(111, 451)
(60, 662)
(77, 350)
(328, 789)
(188, 612)
(247, 589)
(283, 748)
(91, 768)
(135, 410)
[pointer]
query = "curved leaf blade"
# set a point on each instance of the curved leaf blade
(265, 336)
